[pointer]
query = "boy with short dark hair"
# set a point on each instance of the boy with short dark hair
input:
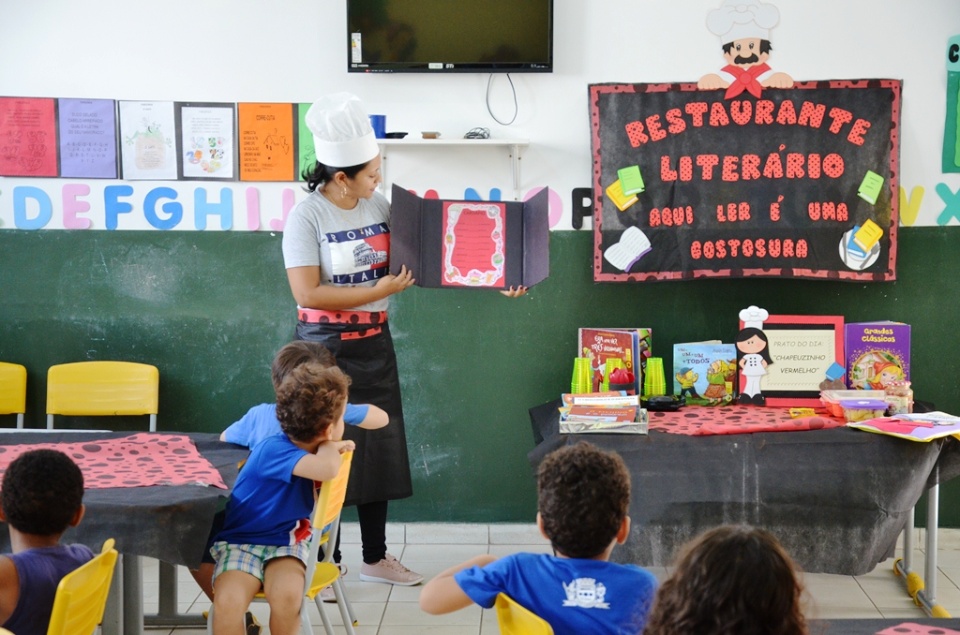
(41, 497)
(263, 543)
(584, 494)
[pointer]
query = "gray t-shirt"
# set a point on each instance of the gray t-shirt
(351, 247)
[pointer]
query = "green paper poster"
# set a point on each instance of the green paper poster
(951, 139)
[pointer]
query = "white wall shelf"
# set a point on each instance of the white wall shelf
(513, 146)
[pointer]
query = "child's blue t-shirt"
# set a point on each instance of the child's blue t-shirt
(574, 595)
(269, 504)
(261, 422)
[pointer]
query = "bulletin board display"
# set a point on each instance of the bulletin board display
(800, 182)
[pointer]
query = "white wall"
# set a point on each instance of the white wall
(294, 51)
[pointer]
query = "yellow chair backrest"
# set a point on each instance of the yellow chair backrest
(13, 390)
(514, 619)
(103, 389)
(332, 495)
(82, 595)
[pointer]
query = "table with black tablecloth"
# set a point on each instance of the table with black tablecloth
(168, 522)
(836, 498)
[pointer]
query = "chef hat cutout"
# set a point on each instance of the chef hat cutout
(741, 19)
(754, 317)
(342, 134)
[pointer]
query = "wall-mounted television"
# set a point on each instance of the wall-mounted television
(450, 36)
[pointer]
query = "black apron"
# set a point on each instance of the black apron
(381, 467)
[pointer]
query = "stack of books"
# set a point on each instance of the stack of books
(611, 411)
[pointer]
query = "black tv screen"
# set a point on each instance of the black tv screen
(449, 36)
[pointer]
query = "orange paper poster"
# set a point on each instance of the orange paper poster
(267, 142)
(28, 136)
(474, 244)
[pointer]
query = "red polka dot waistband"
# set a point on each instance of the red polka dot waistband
(319, 316)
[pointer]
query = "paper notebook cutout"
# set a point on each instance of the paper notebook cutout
(621, 200)
(632, 246)
(631, 181)
(868, 235)
(870, 187)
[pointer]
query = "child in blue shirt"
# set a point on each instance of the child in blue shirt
(263, 542)
(42, 496)
(584, 494)
(261, 422)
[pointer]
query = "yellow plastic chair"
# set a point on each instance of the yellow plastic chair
(13, 391)
(103, 389)
(325, 524)
(514, 619)
(82, 595)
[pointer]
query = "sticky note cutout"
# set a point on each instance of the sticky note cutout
(632, 246)
(835, 371)
(870, 187)
(867, 236)
(616, 194)
(631, 181)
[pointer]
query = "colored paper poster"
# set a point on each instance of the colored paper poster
(267, 142)
(306, 155)
(88, 138)
(780, 185)
(951, 128)
(207, 142)
(148, 142)
(28, 136)
(474, 244)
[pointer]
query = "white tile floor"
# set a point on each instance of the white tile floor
(431, 548)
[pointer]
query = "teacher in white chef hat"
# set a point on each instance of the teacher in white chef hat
(743, 27)
(336, 249)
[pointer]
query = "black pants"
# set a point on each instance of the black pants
(373, 534)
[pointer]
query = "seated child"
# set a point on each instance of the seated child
(263, 543)
(583, 496)
(42, 496)
(261, 421)
(730, 579)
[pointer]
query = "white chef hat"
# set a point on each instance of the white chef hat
(342, 134)
(741, 19)
(754, 317)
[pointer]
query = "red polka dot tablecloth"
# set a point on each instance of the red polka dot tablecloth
(138, 460)
(702, 420)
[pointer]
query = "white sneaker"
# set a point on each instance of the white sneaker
(389, 571)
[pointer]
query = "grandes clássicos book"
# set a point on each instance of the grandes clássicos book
(877, 353)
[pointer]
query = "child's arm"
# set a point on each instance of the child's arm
(324, 464)
(375, 418)
(443, 595)
(9, 588)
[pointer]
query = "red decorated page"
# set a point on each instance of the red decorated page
(28, 137)
(474, 244)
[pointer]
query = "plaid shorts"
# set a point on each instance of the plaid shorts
(253, 558)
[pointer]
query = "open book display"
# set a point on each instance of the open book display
(470, 244)
(924, 426)
(611, 411)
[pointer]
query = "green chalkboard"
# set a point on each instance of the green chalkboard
(211, 308)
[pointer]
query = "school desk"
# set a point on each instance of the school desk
(836, 498)
(168, 522)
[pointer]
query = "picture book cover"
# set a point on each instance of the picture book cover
(705, 373)
(631, 345)
(877, 353)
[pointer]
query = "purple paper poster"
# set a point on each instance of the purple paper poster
(88, 139)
